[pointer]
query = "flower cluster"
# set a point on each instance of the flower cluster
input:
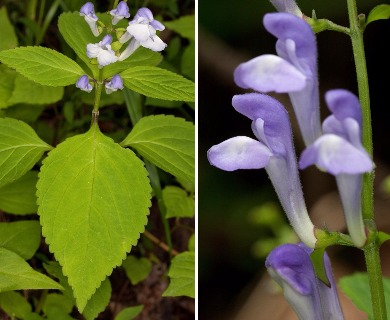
(335, 147)
(141, 31)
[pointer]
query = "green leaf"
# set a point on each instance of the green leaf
(54, 269)
(8, 39)
(18, 197)
(99, 301)
(129, 313)
(158, 83)
(7, 77)
(14, 304)
(191, 243)
(42, 65)
(188, 61)
(16, 274)
(33, 316)
(20, 149)
(25, 112)
(77, 34)
(357, 288)
(182, 274)
(166, 141)
(57, 301)
(379, 12)
(27, 91)
(21, 237)
(162, 103)
(178, 203)
(185, 26)
(93, 199)
(137, 269)
(16, 88)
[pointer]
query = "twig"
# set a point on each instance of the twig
(158, 242)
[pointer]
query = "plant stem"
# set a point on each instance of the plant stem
(371, 250)
(356, 34)
(371, 254)
(161, 244)
(98, 93)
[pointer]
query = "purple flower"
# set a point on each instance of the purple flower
(121, 11)
(115, 84)
(290, 266)
(289, 6)
(83, 84)
(273, 151)
(293, 71)
(87, 10)
(340, 152)
(143, 30)
(102, 51)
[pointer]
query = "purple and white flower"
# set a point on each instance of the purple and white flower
(290, 266)
(83, 84)
(142, 30)
(292, 71)
(289, 6)
(87, 10)
(115, 84)
(273, 151)
(340, 152)
(102, 51)
(120, 12)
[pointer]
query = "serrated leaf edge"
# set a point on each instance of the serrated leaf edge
(106, 274)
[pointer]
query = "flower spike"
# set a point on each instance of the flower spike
(273, 151)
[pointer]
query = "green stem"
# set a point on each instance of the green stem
(98, 93)
(371, 254)
(371, 250)
(356, 34)
(41, 301)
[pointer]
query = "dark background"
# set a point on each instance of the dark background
(231, 32)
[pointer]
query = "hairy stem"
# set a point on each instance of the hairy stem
(356, 34)
(371, 250)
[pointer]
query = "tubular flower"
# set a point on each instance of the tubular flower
(83, 84)
(87, 10)
(102, 51)
(273, 151)
(340, 152)
(143, 29)
(115, 84)
(121, 11)
(289, 6)
(290, 266)
(293, 71)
